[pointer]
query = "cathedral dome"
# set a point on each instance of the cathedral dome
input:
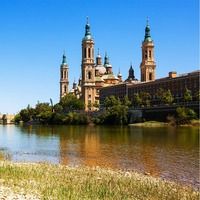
(101, 69)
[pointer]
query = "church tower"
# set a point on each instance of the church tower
(148, 64)
(64, 81)
(88, 69)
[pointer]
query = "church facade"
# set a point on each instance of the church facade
(95, 74)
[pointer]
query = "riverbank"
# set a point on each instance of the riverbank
(193, 123)
(45, 181)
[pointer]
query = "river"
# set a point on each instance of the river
(169, 152)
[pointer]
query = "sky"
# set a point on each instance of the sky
(35, 33)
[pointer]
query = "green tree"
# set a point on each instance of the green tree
(111, 101)
(187, 95)
(70, 103)
(25, 115)
(167, 97)
(17, 118)
(126, 101)
(137, 100)
(160, 94)
(116, 111)
(146, 97)
(43, 112)
(96, 105)
(184, 115)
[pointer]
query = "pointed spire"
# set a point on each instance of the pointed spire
(119, 73)
(64, 61)
(98, 53)
(131, 72)
(147, 37)
(87, 30)
(106, 59)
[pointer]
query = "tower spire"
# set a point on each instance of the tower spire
(147, 37)
(64, 61)
(87, 30)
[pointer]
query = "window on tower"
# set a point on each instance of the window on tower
(64, 74)
(85, 52)
(89, 52)
(89, 75)
(145, 54)
(65, 88)
(149, 54)
(150, 76)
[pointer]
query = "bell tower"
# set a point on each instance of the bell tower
(148, 65)
(88, 69)
(64, 81)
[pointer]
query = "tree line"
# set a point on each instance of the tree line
(70, 110)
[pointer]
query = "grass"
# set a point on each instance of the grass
(47, 181)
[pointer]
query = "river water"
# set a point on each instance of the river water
(168, 152)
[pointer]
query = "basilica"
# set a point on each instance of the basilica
(97, 74)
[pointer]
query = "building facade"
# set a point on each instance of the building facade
(177, 84)
(94, 74)
(64, 80)
(97, 80)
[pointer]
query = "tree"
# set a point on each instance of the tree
(137, 99)
(96, 105)
(17, 118)
(116, 111)
(167, 97)
(145, 97)
(159, 95)
(197, 95)
(126, 101)
(184, 115)
(111, 101)
(25, 115)
(70, 103)
(187, 95)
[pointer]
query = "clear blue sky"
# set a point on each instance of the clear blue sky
(34, 33)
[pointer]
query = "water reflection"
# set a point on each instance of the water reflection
(166, 152)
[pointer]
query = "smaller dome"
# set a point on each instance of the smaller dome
(101, 69)
(119, 75)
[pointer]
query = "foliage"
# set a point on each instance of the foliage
(137, 99)
(145, 97)
(167, 97)
(184, 115)
(71, 103)
(61, 113)
(187, 95)
(25, 115)
(164, 96)
(116, 111)
(17, 118)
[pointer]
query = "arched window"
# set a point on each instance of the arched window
(64, 74)
(89, 75)
(89, 52)
(145, 54)
(65, 88)
(149, 54)
(85, 52)
(150, 76)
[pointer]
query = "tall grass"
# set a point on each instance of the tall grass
(61, 182)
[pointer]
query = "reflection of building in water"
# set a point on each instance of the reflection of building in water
(92, 149)
(70, 147)
(149, 161)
